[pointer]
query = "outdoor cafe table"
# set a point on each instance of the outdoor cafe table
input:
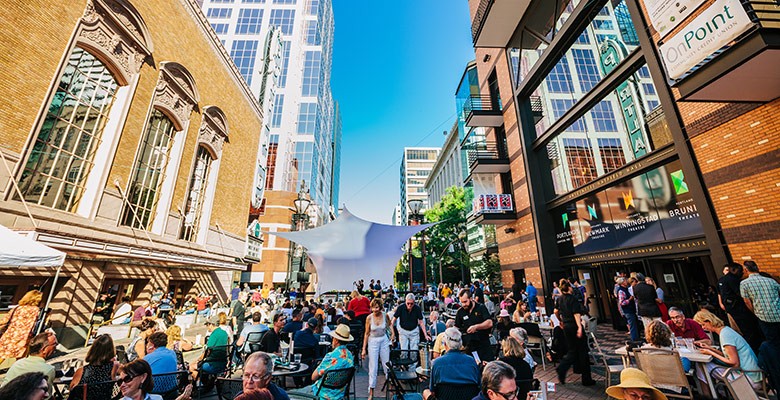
(697, 358)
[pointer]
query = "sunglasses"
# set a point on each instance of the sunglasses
(127, 378)
(509, 396)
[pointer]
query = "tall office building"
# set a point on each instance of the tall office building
(396, 219)
(415, 169)
(304, 127)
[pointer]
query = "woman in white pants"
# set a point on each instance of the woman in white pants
(376, 345)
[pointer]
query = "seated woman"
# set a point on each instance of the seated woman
(101, 367)
(734, 353)
(514, 355)
(175, 341)
(504, 324)
(659, 336)
(634, 385)
(521, 313)
(522, 336)
(137, 348)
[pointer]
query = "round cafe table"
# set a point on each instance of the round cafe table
(280, 374)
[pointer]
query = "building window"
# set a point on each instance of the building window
(222, 1)
(311, 73)
(196, 195)
(307, 118)
(587, 70)
(652, 104)
(63, 153)
(249, 21)
(625, 24)
(285, 64)
(284, 1)
(243, 54)
(149, 172)
(283, 19)
(612, 156)
(253, 1)
(312, 7)
(604, 117)
(219, 13)
(220, 29)
(644, 72)
(276, 117)
(583, 38)
(559, 79)
(603, 24)
(312, 33)
(649, 89)
(579, 156)
(559, 107)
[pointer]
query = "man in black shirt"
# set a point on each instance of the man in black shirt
(731, 301)
(646, 300)
(473, 321)
(270, 343)
(569, 310)
(411, 323)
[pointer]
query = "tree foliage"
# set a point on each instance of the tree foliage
(450, 212)
(488, 269)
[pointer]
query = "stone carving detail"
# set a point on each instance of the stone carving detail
(213, 131)
(170, 95)
(123, 44)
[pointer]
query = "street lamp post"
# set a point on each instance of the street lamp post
(299, 221)
(415, 218)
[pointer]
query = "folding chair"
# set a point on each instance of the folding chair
(171, 384)
(448, 391)
(731, 372)
(610, 369)
(229, 388)
(107, 390)
(536, 341)
(394, 385)
(739, 387)
(664, 367)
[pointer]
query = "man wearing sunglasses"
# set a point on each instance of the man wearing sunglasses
(498, 382)
(258, 369)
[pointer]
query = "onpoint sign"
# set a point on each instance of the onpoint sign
(707, 34)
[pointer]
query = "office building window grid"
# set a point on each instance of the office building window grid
(243, 54)
(63, 153)
(249, 21)
(604, 117)
(579, 157)
(311, 73)
(284, 1)
(253, 1)
(312, 7)
(611, 152)
(282, 83)
(220, 29)
(221, 13)
(307, 118)
(276, 117)
(149, 173)
(559, 107)
(283, 19)
(312, 33)
(587, 70)
(559, 79)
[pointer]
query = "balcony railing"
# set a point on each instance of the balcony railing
(536, 108)
(486, 151)
(483, 111)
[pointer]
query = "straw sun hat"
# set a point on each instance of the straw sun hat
(632, 378)
(341, 333)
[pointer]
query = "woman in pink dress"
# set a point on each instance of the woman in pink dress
(20, 320)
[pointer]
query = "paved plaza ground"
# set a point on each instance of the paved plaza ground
(608, 338)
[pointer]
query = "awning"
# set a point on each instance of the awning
(20, 251)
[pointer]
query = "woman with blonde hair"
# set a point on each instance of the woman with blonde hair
(734, 352)
(225, 326)
(19, 324)
(175, 341)
(514, 355)
(376, 345)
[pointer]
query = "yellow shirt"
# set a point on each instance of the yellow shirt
(446, 292)
(438, 344)
(265, 292)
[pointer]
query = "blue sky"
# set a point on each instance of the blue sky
(396, 65)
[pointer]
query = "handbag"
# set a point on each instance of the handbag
(7, 323)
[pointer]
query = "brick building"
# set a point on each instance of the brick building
(622, 156)
(131, 139)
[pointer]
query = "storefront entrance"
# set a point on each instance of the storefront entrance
(685, 282)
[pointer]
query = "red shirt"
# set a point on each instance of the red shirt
(361, 306)
(202, 303)
(690, 330)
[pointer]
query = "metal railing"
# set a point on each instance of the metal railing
(486, 150)
(481, 103)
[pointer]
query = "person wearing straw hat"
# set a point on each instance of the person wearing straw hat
(340, 357)
(635, 385)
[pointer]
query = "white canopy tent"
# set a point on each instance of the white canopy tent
(350, 248)
(20, 251)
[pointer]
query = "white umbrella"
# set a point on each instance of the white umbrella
(20, 251)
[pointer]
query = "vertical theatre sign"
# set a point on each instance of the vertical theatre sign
(708, 35)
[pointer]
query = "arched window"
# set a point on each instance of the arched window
(62, 155)
(197, 195)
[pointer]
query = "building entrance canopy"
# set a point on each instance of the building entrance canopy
(351, 248)
(19, 251)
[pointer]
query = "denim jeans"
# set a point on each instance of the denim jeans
(633, 325)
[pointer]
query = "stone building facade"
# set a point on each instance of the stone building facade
(129, 141)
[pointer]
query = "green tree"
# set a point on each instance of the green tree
(488, 269)
(450, 212)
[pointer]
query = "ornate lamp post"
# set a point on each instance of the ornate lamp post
(415, 218)
(300, 220)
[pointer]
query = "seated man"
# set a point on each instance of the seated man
(216, 347)
(439, 347)
(41, 347)
(435, 327)
(293, 326)
(453, 367)
(306, 338)
(256, 327)
(161, 359)
(634, 384)
(258, 370)
(339, 358)
(686, 328)
(498, 383)
(124, 312)
(271, 342)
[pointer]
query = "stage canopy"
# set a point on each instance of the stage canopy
(350, 248)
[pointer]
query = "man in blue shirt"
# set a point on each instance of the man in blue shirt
(306, 339)
(162, 360)
(453, 367)
(256, 327)
(295, 325)
(530, 290)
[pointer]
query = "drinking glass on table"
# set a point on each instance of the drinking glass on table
(297, 358)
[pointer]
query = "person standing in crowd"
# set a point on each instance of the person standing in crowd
(735, 352)
(576, 287)
(360, 305)
(556, 292)
(686, 328)
(454, 367)
(517, 292)
(647, 301)
(411, 321)
(530, 290)
(42, 346)
(18, 325)
(237, 315)
(236, 290)
(376, 345)
(474, 322)
(762, 296)
(479, 293)
(732, 302)
(627, 307)
(101, 367)
(569, 310)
